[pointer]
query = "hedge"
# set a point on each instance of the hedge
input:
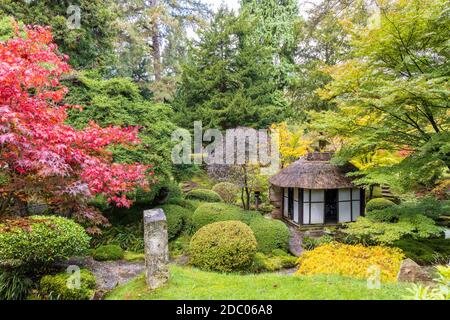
(214, 212)
(175, 219)
(227, 191)
(378, 204)
(270, 234)
(204, 195)
(41, 240)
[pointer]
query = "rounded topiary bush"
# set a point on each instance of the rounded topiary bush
(204, 195)
(227, 191)
(378, 204)
(176, 217)
(54, 287)
(108, 252)
(223, 246)
(214, 212)
(270, 234)
(41, 240)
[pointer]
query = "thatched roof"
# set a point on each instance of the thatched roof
(314, 172)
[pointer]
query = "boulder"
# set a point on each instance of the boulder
(410, 271)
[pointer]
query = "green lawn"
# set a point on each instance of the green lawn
(191, 284)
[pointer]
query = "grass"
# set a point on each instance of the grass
(191, 284)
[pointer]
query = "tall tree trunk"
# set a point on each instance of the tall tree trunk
(156, 45)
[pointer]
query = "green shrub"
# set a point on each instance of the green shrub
(425, 251)
(369, 232)
(14, 285)
(187, 204)
(279, 252)
(39, 241)
(108, 252)
(130, 237)
(428, 207)
(179, 246)
(175, 217)
(214, 212)
(288, 261)
(161, 192)
(312, 243)
(54, 287)
(378, 204)
(227, 191)
(270, 234)
(266, 263)
(223, 246)
(204, 195)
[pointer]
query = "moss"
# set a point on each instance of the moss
(54, 287)
(108, 252)
(133, 256)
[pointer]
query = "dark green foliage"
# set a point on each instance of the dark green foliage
(14, 285)
(378, 204)
(128, 237)
(90, 45)
(311, 243)
(428, 207)
(425, 251)
(118, 102)
(214, 212)
(183, 203)
(227, 191)
(108, 252)
(223, 246)
(389, 225)
(270, 234)
(204, 195)
(40, 241)
(175, 219)
(54, 287)
(229, 78)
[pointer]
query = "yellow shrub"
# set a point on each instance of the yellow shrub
(351, 260)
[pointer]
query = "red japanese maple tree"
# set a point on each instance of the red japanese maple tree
(42, 156)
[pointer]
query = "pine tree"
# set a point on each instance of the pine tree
(229, 79)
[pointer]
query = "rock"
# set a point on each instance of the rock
(156, 248)
(410, 271)
(295, 241)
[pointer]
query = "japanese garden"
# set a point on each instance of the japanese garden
(320, 170)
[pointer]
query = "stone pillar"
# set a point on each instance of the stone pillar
(156, 248)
